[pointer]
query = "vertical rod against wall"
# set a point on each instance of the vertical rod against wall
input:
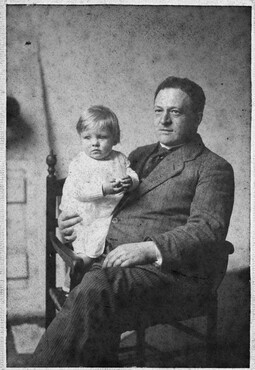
(51, 184)
(46, 103)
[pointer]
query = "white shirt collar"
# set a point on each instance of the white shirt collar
(170, 147)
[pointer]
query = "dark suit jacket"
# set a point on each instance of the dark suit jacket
(184, 206)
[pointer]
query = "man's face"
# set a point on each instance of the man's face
(175, 122)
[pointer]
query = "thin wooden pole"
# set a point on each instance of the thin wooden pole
(50, 227)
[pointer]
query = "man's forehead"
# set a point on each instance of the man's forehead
(173, 97)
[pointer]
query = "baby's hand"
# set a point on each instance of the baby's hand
(126, 182)
(112, 187)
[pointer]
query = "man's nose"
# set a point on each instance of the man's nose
(166, 118)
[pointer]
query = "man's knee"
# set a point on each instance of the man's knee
(93, 287)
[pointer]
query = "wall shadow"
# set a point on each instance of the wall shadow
(17, 129)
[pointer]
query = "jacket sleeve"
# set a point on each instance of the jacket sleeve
(187, 246)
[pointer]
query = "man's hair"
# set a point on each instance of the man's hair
(193, 90)
(101, 117)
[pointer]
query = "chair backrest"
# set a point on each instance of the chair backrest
(53, 191)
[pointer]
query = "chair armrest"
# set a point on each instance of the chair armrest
(72, 260)
(65, 252)
(221, 266)
(229, 247)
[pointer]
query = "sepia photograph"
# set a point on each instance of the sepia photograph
(128, 185)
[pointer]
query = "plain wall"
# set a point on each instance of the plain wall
(116, 56)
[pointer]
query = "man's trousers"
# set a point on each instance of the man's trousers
(86, 332)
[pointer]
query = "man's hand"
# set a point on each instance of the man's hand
(132, 254)
(66, 222)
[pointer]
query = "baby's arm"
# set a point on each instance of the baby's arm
(112, 187)
(79, 185)
(82, 188)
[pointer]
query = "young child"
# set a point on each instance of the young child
(97, 179)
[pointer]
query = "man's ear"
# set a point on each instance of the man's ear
(199, 118)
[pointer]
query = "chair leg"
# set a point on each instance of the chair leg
(211, 337)
(140, 345)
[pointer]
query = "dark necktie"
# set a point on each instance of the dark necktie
(154, 160)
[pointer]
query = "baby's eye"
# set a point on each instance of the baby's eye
(86, 137)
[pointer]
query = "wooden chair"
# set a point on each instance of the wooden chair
(145, 319)
(54, 188)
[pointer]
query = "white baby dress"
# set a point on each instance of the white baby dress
(82, 193)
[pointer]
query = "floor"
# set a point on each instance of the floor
(22, 338)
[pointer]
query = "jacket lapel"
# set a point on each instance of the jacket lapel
(145, 155)
(138, 167)
(171, 165)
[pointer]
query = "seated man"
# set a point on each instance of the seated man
(164, 242)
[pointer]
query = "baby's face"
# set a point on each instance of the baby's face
(97, 143)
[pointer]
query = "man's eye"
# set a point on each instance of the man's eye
(86, 137)
(157, 110)
(175, 112)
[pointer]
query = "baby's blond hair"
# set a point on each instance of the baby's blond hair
(102, 117)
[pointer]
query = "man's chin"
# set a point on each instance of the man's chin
(168, 141)
(171, 140)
